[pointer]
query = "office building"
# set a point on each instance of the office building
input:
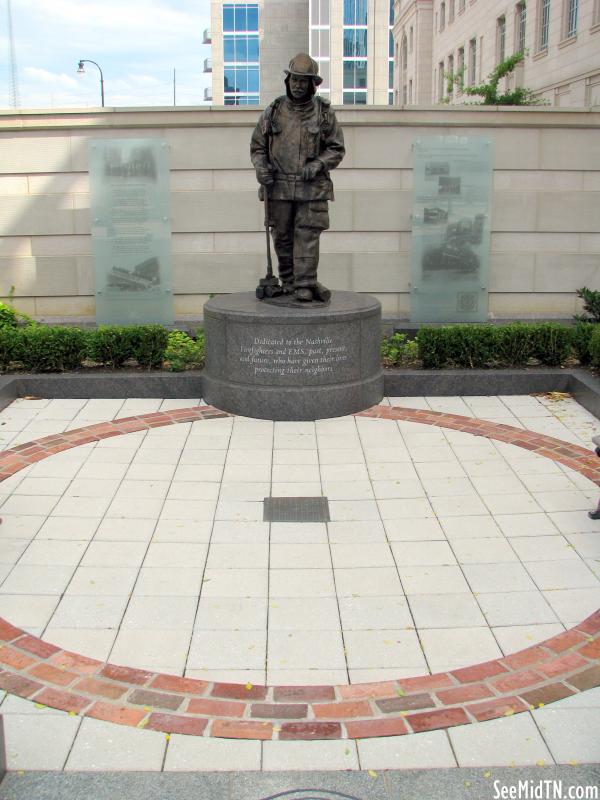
(437, 38)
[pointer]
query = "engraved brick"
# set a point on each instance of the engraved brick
(126, 674)
(516, 680)
(113, 713)
(360, 691)
(279, 710)
(241, 729)
(144, 697)
(478, 672)
(172, 683)
(310, 730)
(440, 718)
(216, 708)
(586, 679)
(547, 694)
(36, 646)
(17, 684)
(365, 728)
(174, 723)
(112, 691)
(411, 701)
(239, 691)
(65, 701)
(561, 666)
(53, 675)
(358, 708)
(309, 694)
(464, 694)
(13, 658)
(496, 708)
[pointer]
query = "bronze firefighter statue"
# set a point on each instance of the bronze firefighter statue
(295, 144)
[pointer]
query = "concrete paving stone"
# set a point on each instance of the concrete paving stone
(304, 649)
(588, 699)
(550, 575)
(91, 642)
(300, 613)
(39, 742)
(383, 648)
(448, 487)
(543, 548)
(353, 510)
(422, 529)
(201, 459)
(282, 755)
(296, 490)
(406, 508)
(495, 466)
(470, 527)
(230, 532)
(24, 505)
(458, 647)
(104, 746)
(189, 753)
(419, 751)
(562, 501)
(571, 734)
(100, 612)
(408, 554)
(342, 490)
(114, 554)
(295, 457)
(347, 441)
(93, 507)
(13, 549)
(517, 503)
(138, 507)
(129, 440)
(445, 611)
(573, 522)
(121, 529)
(547, 483)
(409, 402)
(168, 582)
(175, 403)
(482, 551)
(297, 532)
(99, 471)
(249, 458)
(389, 470)
(514, 741)
(503, 577)
(102, 581)
(113, 455)
(136, 490)
(516, 608)
(237, 491)
(27, 579)
(183, 472)
(225, 613)
(398, 489)
(160, 650)
(517, 637)
(68, 528)
(522, 525)
(185, 509)
(175, 554)
(15, 526)
(239, 511)
(361, 555)
(370, 581)
(234, 583)
(371, 613)
(427, 453)
(301, 441)
(92, 487)
(166, 613)
(300, 556)
(344, 472)
(163, 455)
(227, 649)
(306, 677)
(301, 583)
(434, 579)
(572, 606)
(35, 611)
(41, 486)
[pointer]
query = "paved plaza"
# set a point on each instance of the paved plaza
(453, 543)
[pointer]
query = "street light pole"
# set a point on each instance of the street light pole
(80, 69)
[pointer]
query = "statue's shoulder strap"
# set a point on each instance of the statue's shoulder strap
(269, 123)
(324, 113)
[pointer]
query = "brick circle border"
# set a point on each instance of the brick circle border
(554, 669)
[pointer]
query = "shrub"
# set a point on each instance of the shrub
(11, 346)
(149, 345)
(591, 305)
(52, 349)
(551, 343)
(595, 347)
(471, 346)
(183, 352)
(111, 345)
(514, 344)
(8, 316)
(433, 347)
(397, 350)
(581, 336)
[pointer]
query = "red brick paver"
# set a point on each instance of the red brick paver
(562, 666)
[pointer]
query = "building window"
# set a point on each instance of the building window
(355, 52)
(500, 39)
(441, 80)
(410, 93)
(391, 13)
(450, 75)
(460, 67)
(320, 37)
(472, 62)
(570, 18)
(241, 54)
(451, 5)
(544, 24)
(403, 54)
(442, 16)
(521, 22)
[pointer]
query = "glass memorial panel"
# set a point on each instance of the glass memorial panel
(131, 231)
(451, 229)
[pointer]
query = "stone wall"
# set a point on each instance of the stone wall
(546, 204)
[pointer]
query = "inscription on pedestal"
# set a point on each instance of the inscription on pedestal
(294, 357)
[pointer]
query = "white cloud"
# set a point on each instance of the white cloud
(45, 76)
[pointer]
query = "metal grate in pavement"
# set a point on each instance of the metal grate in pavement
(296, 509)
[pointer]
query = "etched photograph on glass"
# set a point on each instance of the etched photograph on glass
(131, 231)
(451, 229)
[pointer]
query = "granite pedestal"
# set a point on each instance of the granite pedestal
(282, 363)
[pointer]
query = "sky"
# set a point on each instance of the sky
(137, 43)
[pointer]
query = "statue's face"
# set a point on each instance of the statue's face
(299, 86)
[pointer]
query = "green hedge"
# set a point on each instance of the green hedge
(594, 347)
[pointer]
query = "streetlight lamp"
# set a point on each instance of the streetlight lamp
(81, 70)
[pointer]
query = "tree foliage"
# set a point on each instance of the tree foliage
(489, 92)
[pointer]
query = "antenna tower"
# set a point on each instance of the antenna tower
(14, 85)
